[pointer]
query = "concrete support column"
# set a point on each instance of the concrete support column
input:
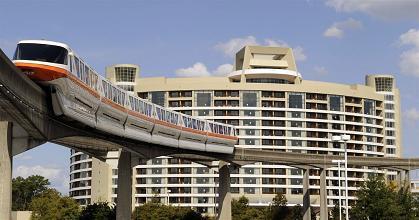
(5, 170)
(407, 178)
(323, 194)
(224, 204)
(403, 178)
(124, 194)
(306, 194)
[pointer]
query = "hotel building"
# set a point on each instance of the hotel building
(274, 109)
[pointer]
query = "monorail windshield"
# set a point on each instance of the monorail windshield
(41, 52)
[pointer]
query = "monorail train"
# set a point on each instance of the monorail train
(81, 94)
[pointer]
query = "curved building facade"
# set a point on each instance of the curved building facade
(275, 109)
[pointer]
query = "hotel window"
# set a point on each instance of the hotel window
(250, 132)
(296, 143)
(370, 130)
(203, 112)
(389, 106)
(249, 122)
(155, 180)
(390, 132)
(249, 141)
(369, 107)
(296, 124)
(383, 84)
(125, 74)
(158, 98)
(390, 115)
(203, 189)
(369, 120)
(296, 114)
(389, 124)
(249, 180)
(335, 103)
(203, 99)
(391, 151)
(249, 190)
(295, 100)
(202, 170)
(202, 180)
(249, 99)
(389, 97)
(296, 133)
(249, 113)
(390, 142)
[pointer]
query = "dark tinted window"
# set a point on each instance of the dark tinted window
(203, 99)
(295, 100)
(158, 98)
(41, 52)
(335, 103)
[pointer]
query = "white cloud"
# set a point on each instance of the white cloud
(231, 47)
(385, 9)
(200, 69)
(321, 70)
(333, 32)
(409, 59)
(25, 171)
(299, 54)
(338, 29)
(58, 178)
(412, 114)
(223, 70)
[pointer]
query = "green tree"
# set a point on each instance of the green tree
(98, 211)
(240, 210)
(50, 205)
(376, 201)
(279, 210)
(239, 206)
(25, 189)
(335, 212)
(296, 213)
(407, 203)
(157, 211)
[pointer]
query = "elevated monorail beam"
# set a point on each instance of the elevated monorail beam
(289, 158)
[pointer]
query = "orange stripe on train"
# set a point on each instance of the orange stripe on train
(41, 72)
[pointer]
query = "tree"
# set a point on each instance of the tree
(50, 205)
(25, 189)
(240, 210)
(279, 209)
(376, 201)
(157, 211)
(335, 212)
(239, 206)
(296, 213)
(407, 203)
(98, 211)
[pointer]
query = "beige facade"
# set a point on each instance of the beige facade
(274, 108)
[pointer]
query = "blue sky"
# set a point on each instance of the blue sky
(335, 40)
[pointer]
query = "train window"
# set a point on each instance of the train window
(77, 65)
(41, 52)
(70, 63)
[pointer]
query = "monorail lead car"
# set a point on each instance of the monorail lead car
(81, 94)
